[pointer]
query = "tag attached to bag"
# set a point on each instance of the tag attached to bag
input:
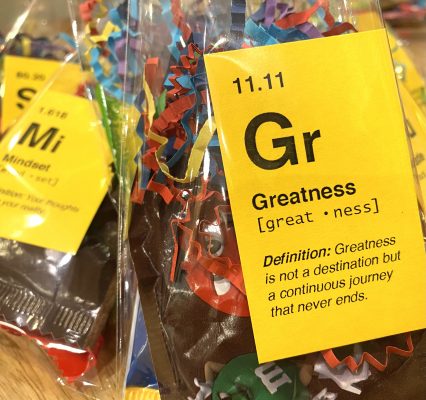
(54, 172)
(318, 169)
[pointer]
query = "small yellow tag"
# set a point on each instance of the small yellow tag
(416, 126)
(404, 66)
(54, 173)
(24, 77)
(322, 193)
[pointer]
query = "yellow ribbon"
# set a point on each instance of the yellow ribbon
(198, 149)
(103, 37)
(135, 393)
(26, 46)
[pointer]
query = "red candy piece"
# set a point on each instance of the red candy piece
(72, 362)
(86, 10)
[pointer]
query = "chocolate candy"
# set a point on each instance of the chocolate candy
(58, 294)
(182, 239)
(243, 378)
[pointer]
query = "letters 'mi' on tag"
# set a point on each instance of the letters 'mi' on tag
(322, 192)
(54, 173)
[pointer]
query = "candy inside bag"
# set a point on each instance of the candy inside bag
(58, 298)
(213, 352)
(182, 237)
(57, 294)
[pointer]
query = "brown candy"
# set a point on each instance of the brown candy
(52, 293)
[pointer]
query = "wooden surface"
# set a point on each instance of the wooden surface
(27, 373)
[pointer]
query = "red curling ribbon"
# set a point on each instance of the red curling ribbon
(153, 75)
(178, 143)
(173, 113)
(153, 145)
(339, 29)
(86, 10)
(294, 19)
(149, 160)
(179, 19)
(161, 189)
(178, 90)
(200, 265)
(189, 63)
(179, 223)
(72, 362)
(353, 364)
(138, 194)
(81, 90)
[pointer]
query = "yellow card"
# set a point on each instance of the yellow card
(322, 193)
(54, 173)
(416, 126)
(24, 77)
(404, 65)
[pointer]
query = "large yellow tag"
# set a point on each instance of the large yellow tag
(24, 77)
(322, 193)
(54, 173)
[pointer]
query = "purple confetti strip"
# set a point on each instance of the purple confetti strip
(270, 10)
(308, 29)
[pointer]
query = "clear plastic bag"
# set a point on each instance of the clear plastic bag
(109, 47)
(58, 283)
(181, 236)
(140, 375)
(413, 95)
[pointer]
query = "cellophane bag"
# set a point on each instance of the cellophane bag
(409, 69)
(59, 237)
(187, 237)
(140, 379)
(107, 34)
